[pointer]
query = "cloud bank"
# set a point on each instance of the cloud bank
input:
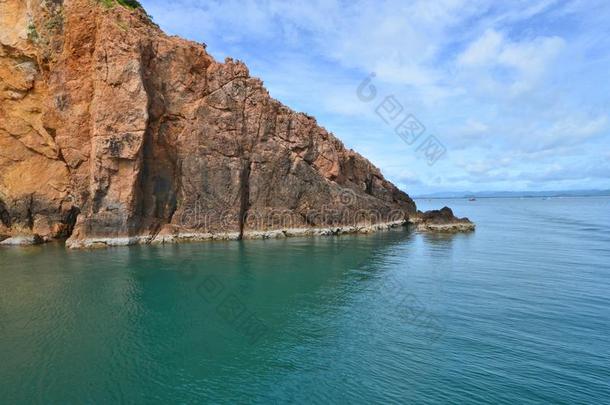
(516, 91)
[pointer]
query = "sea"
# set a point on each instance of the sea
(517, 312)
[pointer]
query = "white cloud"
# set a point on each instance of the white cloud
(507, 86)
(526, 61)
(572, 130)
(483, 51)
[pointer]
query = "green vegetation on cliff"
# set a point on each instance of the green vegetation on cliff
(132, 4)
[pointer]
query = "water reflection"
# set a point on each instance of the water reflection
(132, 325)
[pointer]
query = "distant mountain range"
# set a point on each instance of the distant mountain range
(517, 194)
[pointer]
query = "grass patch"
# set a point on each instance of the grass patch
(55, 22)
(130, 4)
(107, 3)
(33, 33)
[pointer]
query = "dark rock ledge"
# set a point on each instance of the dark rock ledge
(442, 220)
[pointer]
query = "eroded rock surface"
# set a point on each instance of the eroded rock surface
(113, 132)
(442, 220)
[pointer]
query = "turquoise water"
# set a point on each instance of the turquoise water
(518, 312)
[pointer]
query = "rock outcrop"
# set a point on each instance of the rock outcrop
(112, 132)
(442, 220)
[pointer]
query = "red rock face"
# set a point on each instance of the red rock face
(111, 129)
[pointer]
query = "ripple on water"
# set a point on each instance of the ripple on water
(516, 312)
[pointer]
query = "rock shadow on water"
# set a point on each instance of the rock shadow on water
(443, 239)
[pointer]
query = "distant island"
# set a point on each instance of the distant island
(515, 194)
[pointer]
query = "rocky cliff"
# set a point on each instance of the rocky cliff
(112, 132)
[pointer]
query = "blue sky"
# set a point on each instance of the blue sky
(516, 92)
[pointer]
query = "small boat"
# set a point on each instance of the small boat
(472, 199)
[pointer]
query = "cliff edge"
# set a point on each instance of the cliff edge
(112, 132)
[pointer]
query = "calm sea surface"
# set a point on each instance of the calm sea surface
(518, 312)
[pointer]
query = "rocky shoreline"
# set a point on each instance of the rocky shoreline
(431, 221)
(182, 237)
(114, 133)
